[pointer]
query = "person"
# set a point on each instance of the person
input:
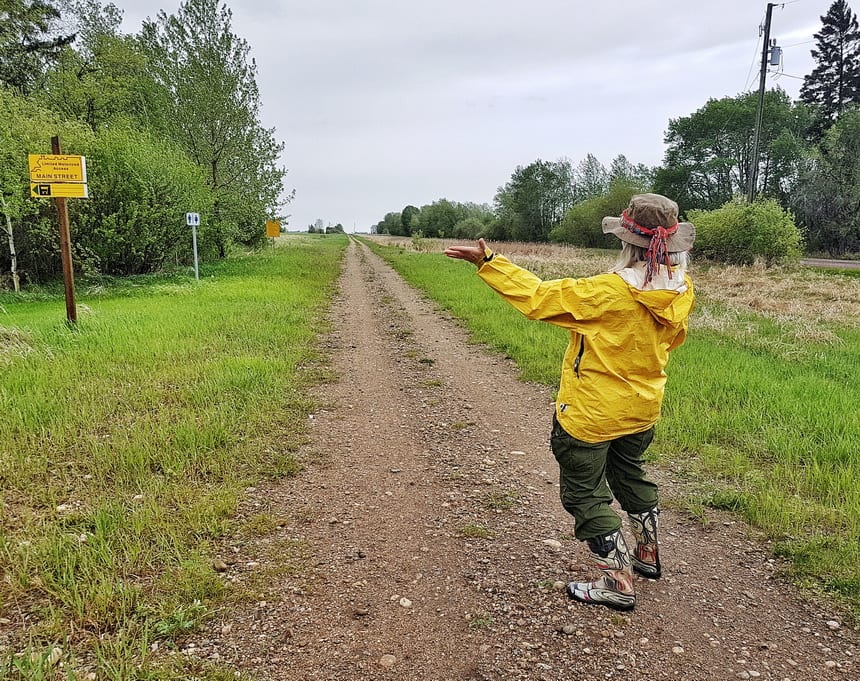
(623, 324)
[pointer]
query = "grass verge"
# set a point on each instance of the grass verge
(125, 445)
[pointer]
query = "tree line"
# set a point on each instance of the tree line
(168, 119)
(808, 172)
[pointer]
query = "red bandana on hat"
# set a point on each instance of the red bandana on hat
(657, 252)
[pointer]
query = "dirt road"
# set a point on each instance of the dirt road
(425, 540)
(832, 264)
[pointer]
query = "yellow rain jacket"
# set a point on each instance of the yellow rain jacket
(613, 374)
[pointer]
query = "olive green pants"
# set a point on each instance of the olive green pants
(591, 473)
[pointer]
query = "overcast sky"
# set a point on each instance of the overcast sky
(384, 103)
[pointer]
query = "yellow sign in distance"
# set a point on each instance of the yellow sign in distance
(62, 190)
(51, 168)
(273, 228)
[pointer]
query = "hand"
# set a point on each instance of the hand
(474, 254)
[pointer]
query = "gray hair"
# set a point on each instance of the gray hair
(631, 254)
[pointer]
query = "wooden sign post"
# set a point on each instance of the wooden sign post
(65, 247)
(59, 177)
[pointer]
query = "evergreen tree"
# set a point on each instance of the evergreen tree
(835, 81)
(827, 198)
(29, 41)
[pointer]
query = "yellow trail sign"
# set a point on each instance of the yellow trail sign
(57, 168)
(273, 228)
(63, 190)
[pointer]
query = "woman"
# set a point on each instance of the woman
(622, 325)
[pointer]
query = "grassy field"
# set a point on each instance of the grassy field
(762, 408)
(126, 443)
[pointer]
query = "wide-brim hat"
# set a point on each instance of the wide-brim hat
(651, 211)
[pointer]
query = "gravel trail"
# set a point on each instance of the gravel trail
(425, 541)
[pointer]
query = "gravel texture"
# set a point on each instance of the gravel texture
(425, 540)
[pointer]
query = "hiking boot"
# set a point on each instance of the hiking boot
(646, 556)
(615, 588)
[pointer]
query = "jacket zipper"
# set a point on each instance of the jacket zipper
(578, 359)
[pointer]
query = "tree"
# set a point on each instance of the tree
(214, 113)
(622, 170)
(105, 78)
(438, 219)
(590, 179)
(535, 199)
(835, 82)
(827, 201)
(390, 222)
(29, 41)
(469, 228)
(407, 217)
(30, 225)
(707, 161)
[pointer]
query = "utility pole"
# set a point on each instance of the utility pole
(753, 172)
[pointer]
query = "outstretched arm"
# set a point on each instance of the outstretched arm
(560, 301)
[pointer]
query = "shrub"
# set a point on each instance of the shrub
(468, 228)
(741, 233)
(581, 225)
(140, 189)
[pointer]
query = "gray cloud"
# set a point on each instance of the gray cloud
(387, 102)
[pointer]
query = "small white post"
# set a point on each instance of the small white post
(192, 220)
(194, 240)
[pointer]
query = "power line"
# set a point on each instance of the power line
(748, 81)
(778, 74)
(764, 54)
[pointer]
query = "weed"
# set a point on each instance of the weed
(696, 506)
(182, 620)
(260, 524)
(618, 620)
(32, 664)
(477, 532)
(501, 501)
(481, 621)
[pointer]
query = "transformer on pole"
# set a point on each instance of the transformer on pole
(775, 53)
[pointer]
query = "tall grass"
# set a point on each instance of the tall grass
(126, 442)
(763, 401)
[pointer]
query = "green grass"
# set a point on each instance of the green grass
(477, 532)
(766, 418)
(125, 444)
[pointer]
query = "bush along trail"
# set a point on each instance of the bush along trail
(425, 540)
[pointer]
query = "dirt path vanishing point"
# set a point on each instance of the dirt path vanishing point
(425, 541)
